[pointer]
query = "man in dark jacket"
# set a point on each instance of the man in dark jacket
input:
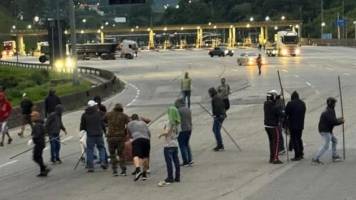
(51, 101)
(54, 125)
(117, 136)
(92, 123)
(26, 109)
(38, 138)
(295, 112)
(219, 115)
(272, 115)
(327, 123)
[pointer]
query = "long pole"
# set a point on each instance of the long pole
(342, 115)
(284, 103)
(73, 40)
(227, 133)
(322, 18)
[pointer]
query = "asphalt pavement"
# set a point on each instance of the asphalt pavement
(153, 84)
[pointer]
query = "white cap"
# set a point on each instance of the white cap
(92, 103)
(272, 92)
(24, 94)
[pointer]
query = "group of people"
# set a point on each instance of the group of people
(290, 118)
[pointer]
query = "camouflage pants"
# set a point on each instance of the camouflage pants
(116, 148)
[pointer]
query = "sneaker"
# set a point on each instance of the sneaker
(296, 159)
(317, 161)
(9, 140)
(123, 173)
(114, 172)
(136, 171)
(277, 162)
(337, 158)
(177, 180)
(20, 135)
(138, 175)
(104, 166)
(59, 161)
(191, 163)
(44, 173)
(218, 149)
(90, 170)
(163, 183)
(1, 144)
(148, 171)
(184, 165)
(282, 152)
(144, 176)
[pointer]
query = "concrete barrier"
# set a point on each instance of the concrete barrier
(110, 86)
(332, 42)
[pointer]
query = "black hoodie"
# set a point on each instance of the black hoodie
(92, 122)
(38, 132)
(295, 111)
(54, 122)
(51, 102)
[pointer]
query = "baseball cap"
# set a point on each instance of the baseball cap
(92, 103)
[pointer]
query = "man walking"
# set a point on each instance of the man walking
(272, 114)
(185, 133)
(38, 138)
(116, 137)
(219, 115)
(224, 92)
(186, 86)
(327, 123)
(92, 123)
(51, 101)
(26, 109)
(54, 125)
(259, 64)
(295, 112)
(171, 146)
(5, 111)
(140, 136)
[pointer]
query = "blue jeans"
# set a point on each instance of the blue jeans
(218, 121)
(171, 156)
(328, 137)
(183, 140)
(186, 97)
(97, 141)
(55, 142)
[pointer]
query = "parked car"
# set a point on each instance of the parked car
(221, 52)
(249, 58)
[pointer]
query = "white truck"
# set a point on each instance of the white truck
(287, 43)
(129, 49)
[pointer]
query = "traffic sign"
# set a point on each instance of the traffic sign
(341, 22)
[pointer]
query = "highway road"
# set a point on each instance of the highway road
(153, 84)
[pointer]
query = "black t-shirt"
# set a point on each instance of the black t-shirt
(26, 106)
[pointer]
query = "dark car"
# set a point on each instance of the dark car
(221, 52)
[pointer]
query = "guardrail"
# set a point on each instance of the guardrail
(331, 42)
(109, 87)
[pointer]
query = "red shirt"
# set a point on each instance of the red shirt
(5, 110)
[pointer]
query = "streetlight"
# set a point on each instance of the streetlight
(190, 1)
(106, 23)
(84, 21)
(323, 24)
(283, 18)
(209, 23)
(252, 19)
(177, 6)
(355, 28)
(267, 18)
(29, 26)
(13, 27)
(36, 19)
(276, 28)
(248, 26)
(101, 27)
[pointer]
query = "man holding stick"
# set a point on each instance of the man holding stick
(327, 123)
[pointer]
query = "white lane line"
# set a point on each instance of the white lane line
(317, 92)
(8, 163)
(308, 83)
(138, 92)
(347, 74)
(284, 70)
(297, 76)
(330, 69)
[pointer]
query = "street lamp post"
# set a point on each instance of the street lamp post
(73, 40)
(355, 28)
(322, 29)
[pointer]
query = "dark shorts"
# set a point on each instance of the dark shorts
(141, 148)
(26, 119)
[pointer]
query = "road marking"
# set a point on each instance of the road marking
(347, 74)
(8, 163)
(297, 76)
(308, 83)
(317, 92)
(330, 69)
(138, 92)
(284, 70)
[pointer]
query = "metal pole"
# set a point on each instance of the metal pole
(59, 28)
(322, 17)
(342, 115)
(284, 105)
(73, 40)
